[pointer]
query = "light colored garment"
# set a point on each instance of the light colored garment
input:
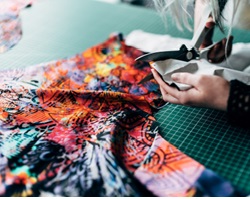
(241, 18)
(229, 69)
(149, 42)
(83, 126)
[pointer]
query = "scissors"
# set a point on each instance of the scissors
(183, 54)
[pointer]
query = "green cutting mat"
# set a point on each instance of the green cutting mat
(205, 135)
(55, 29)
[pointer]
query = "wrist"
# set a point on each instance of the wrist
(222, 100)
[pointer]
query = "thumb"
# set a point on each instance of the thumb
(184, 78)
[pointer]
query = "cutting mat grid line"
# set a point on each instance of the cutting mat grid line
(202, 134)
(206, 136)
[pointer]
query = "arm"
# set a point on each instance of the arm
(207, 90)
(238, 108)
(210, 92)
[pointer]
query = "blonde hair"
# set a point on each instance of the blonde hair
(179, 11)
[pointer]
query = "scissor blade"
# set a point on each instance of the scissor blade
(158, 56)
(147, 78)
(201, 31)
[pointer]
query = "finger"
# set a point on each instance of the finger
(221, 50)
(210, 23)
(167, 97)
(158, 77)
(163, 91)
(165, 88)
(185, 78)
(172, 91)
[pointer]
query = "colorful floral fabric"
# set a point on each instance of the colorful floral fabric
(10, 22)
(82, 126)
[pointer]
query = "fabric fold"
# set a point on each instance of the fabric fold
(82, 126)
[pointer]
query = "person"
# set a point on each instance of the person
(208, 90)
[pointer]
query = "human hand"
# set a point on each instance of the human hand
(207, 90)
(221, 50)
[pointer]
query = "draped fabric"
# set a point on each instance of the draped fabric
(82, 126)
(10, 22)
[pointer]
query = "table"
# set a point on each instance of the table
(55, 29)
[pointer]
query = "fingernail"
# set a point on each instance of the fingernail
(175, 76)
(210, 24)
